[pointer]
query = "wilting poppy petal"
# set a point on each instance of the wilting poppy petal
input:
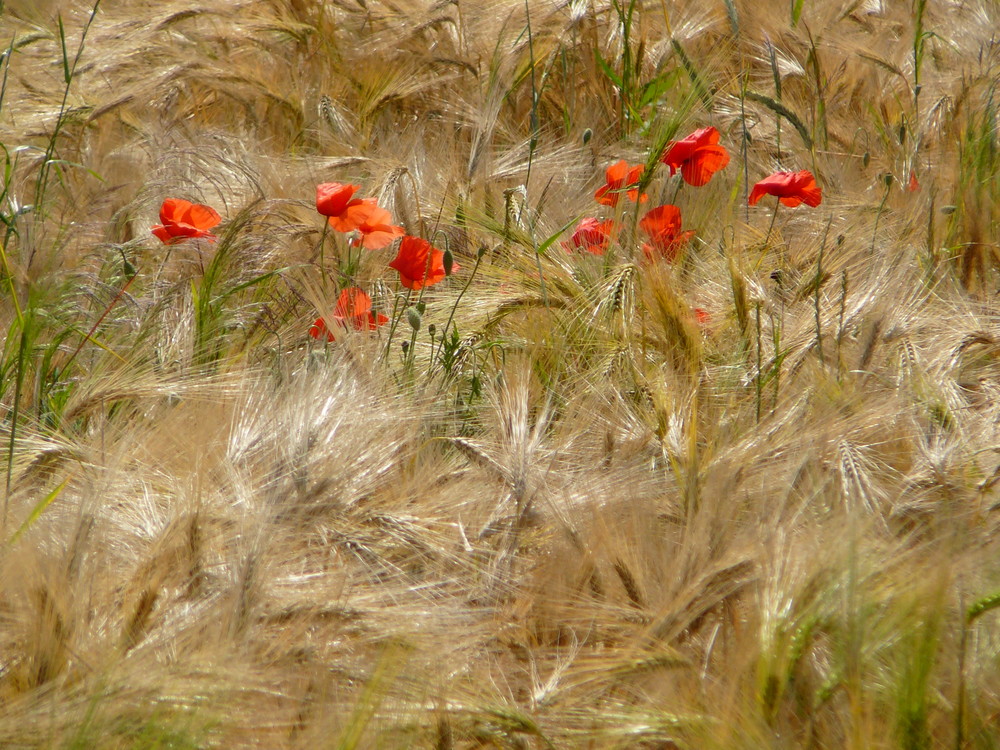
(698, 156)
(791, 188)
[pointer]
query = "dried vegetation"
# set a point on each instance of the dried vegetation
(586, 522)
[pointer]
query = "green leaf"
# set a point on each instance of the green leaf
(548, 243)
(37, 511)
(609, 71)
(67, 76)
(796, 11)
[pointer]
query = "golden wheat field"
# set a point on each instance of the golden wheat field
(416, 373)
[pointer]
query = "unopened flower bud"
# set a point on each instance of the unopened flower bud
(449, 262)
(413, 318)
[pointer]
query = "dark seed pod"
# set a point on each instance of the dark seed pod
(449, 262)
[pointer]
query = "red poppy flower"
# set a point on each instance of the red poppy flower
(913, 185)
(419, 263)
(354, 309)
(698, 156)
(182, 219)
(791, 188)
(617, 178)
(334, 199)
(373, 225)
(702, 316)
(591, 235)
(663, 225)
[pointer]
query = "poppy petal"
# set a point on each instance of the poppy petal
(706, 161)
(173, 209)
(202, 217)
(616, 172)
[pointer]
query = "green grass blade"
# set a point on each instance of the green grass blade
(37, 511)
(67, 75)
(548, 242)
(796, 11)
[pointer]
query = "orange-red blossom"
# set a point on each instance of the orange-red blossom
(618, 179)
(698, 157)
(791, 188)
(419, 263)
(663, 226)
(354, 309)
(183, 219)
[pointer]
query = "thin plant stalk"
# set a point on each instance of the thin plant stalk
(777, 204)
(759, 381)
(69, 71)
(818, 283)
(454, 307)
(881, 207)
(396, 315)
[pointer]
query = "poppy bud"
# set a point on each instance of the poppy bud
(405, 345)
(449, 262)
(413, 318)
(866, 159)
(947, 210)
(482, 251)
(887, 179)
(432, 329)
(587, 135)
(421, 307)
